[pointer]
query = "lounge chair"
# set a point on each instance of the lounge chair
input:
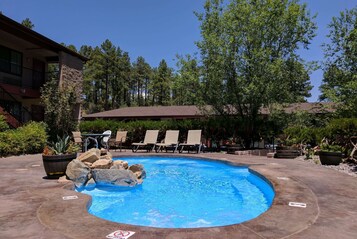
(193, 141)
(120, 139)
(149, 143)
(170, 141)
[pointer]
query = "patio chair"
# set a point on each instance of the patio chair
(77, 138)
(149, 142)
(105, 139)
(170, 141)
(193, 141)
(120, 139)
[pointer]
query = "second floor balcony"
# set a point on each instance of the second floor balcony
(24, 79)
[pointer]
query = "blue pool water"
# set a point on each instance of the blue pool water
(184, 193)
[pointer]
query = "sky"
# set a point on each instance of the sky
(154, 29)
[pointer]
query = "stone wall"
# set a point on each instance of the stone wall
(71, 74)
(71, 71)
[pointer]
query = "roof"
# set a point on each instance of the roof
(20, 31)
(150, 112)
(191, 111)
(313, 108)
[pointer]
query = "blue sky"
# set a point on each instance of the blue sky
(154, 29)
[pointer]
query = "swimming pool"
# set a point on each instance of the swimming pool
(181, 192)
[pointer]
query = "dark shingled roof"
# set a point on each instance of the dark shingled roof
(150, 112)
(17, 29)
(191, 111)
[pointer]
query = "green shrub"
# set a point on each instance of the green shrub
(136, 129)
(301, 135)
(28, 139)
(339, 131)
(3, 124)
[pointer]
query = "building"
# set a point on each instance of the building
(191, 112)
(25, 56)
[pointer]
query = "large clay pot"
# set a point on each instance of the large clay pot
(56, 165)
(330, 158)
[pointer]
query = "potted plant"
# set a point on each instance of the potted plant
(60, 101)
(57, 155)
(330, 154)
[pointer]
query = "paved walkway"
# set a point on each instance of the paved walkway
(32, 207)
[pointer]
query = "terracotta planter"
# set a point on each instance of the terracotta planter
(56, 165)
(330, 158)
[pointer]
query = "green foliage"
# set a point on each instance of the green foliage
(300, 135)
(340, 73)
(59, 103)
(136, 129)
(109, 81)
(339, 132)
(28, 139)
(331, 147)
(63, 145)
(249, 55)
(27, 23)
(216, 129)
(160, 85)
(3, 124)
(186, 88)
(142, 76)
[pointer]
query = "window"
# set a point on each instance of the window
(10, 61)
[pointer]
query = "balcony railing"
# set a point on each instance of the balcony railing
(13, 107)
(24, 78)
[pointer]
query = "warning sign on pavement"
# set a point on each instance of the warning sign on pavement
(120, 234)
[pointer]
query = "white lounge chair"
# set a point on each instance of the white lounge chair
(193, 141)
(149, 142)
(171, 140)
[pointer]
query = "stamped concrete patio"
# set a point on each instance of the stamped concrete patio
(32, 207)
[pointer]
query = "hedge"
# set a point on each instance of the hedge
(28, 139)
(136, 129)
(216, 129)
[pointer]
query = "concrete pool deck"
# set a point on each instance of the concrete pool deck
(33, 207)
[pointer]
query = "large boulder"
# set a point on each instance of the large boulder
(106, 156)
(90, 156)
(102, 164)
(78, 172)
(119, 177)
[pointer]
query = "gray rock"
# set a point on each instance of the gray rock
(78, 172)
(136, 168)
(117, 166)
(122, 163)
(102, 164)
(90, 156)
(115, 177)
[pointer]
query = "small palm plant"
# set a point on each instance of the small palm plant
(63, 145)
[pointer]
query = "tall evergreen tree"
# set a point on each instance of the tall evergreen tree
(161, 85)
(27, 23)
(141, 75)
